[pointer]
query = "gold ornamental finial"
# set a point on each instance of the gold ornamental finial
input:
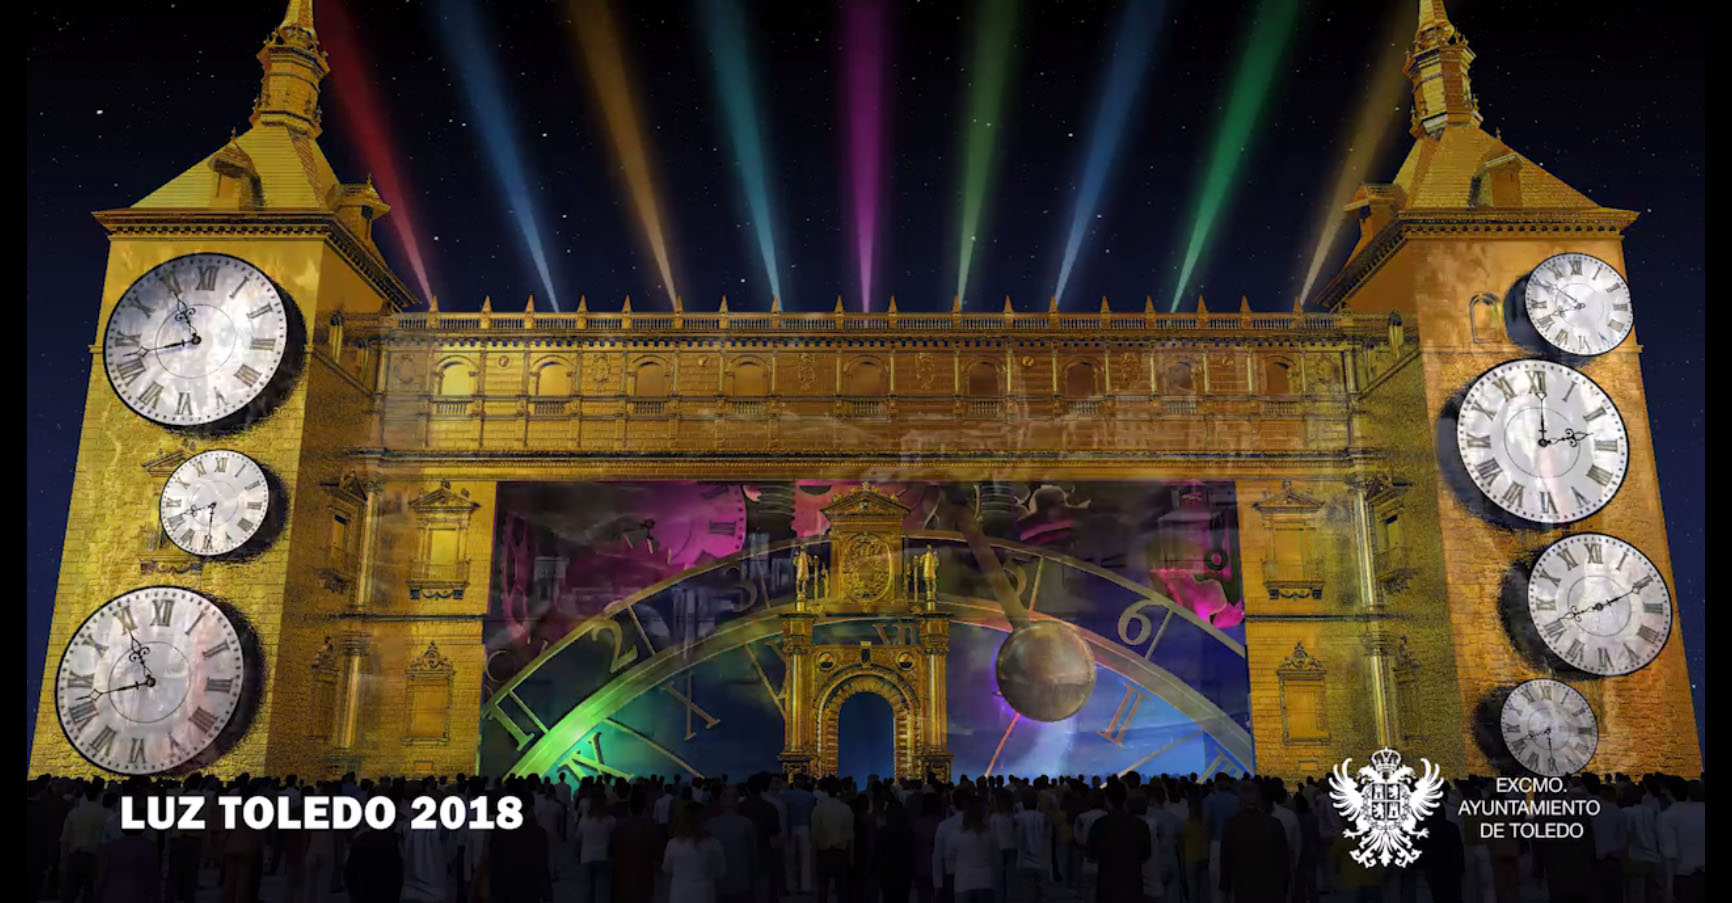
(1104, 308)
(530, 307)
(582, 304)
(1052, 304)
(775, 304)
(1244, 304)
(487, 304)
(956, 304)
(892, 308)
(1007, 304)
(433, 304)
(838, 305)
(294, 65)
(1201, 307)
(1148, 304)
(724, 308)
(627, 308)
(679, 305)
(1437, 65)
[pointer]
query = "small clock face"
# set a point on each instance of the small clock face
(1549, 727)
(1579, 304)
(195, 339)
(1542, 441)
(150, 680)
(1599, 604)
(214, 502)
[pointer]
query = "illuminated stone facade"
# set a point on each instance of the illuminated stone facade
(1373, 585)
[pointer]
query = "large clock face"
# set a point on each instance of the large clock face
(214, 502)
(1579, 304)
(1599, 603)
(195, 339)
(1542, 441)
(1549, 727)
(151, 680)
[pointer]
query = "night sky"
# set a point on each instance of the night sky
(1608, 97)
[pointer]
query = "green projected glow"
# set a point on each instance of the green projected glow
(992, 50)
(1273, 26)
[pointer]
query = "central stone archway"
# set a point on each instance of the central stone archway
(881, 683)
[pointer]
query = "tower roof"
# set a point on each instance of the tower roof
(284, 164)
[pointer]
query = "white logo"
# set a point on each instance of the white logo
(1385, 806)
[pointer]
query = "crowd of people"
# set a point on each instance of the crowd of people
(1174, 839)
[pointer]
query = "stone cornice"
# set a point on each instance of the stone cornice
(134, 222)
(1465, 224)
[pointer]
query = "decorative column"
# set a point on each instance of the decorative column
(1378, 643)
(933, 729)
(353, 646)
(796, 757)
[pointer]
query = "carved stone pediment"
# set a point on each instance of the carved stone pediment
(866, 502)
(444, 501)
(1289, 501)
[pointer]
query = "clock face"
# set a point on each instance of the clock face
(150, 680)
(195, 339)
(1579, 304)
(1542, 441)
(1549, 727)
(214, 502)
(1599, 604)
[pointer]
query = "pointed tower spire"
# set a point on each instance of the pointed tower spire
(956, 304)
(775, 304)
(1244, 304)
(530, 307)
(1202, 308)
(724, 308)
(892, 308)
(1052, 304)
(838, 305)
(432, 304)
(1104, 308)
(582, 304)
(487, 304)
(1437, 64)
(294, 65)
(679, 305)
(1007, 304)
(627, 308)
(1148, 304)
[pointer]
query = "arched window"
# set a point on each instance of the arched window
(553, 378)
(1278, 377)
(456, 377)
(751, 380)
(1079, 380)
(982, 378)
(650, 380)
(1177, 380)
(865, 378)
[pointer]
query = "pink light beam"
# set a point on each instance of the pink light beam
(863, 40)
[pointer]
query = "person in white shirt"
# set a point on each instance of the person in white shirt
(1683, 840)
(1086, 869)
(1004, 833)
(1154, 877)
(976, 855)
(1643, 863)
(594, 862)
(425, 858)
(1275, 799)
(693, 860)
(1034, 833)
(944, 845)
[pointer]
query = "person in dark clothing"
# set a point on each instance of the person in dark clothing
(1310, 851)
(637, 852)
(130, 871)
(1119, 844)
(1253, 852)
(893, 854)
(1568, 866)
(1442, 857)
(374, 872)
(43, 820)
(860, 883)
(517, 860)
(763, 814)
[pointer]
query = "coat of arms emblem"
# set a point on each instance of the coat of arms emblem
(1385, 805)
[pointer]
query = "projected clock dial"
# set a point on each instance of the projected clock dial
(1542, 441)
(1549, 727)
(1579, 304)
(1599, 604)
(214, 502)
(151, 680)
(195, 340)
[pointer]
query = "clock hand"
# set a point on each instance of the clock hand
(1543, 441)
(139, 651)
(143, 350)
(1574, 438)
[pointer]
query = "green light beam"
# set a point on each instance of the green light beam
(1273, 26)
(992, 51)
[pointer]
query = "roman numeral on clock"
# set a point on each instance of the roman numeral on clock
(103, 745)
(1513, 495)
(203, 720)
(207, 277)
(1596, 552)
(1569, 560)
(1503, 385)
(136, 754)
(1475, 441)
(163, 612)
(81, 715)
(1554, 629)
(1650, 636)
(1489, 469)
(1605, 659)
(129, 370)
(1546, 505)
(217, 650)
(183, 405)
(268, 343)
(247, 375)
(1599, 475)
(151, 395)
(259, 311)
(219, 684)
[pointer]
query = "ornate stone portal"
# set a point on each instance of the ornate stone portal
(877, 578)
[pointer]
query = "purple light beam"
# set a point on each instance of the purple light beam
(863, 72)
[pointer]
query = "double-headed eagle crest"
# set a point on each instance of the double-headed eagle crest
(1385, 806)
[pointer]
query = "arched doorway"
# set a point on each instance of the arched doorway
(865, 738)
(867, 680)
